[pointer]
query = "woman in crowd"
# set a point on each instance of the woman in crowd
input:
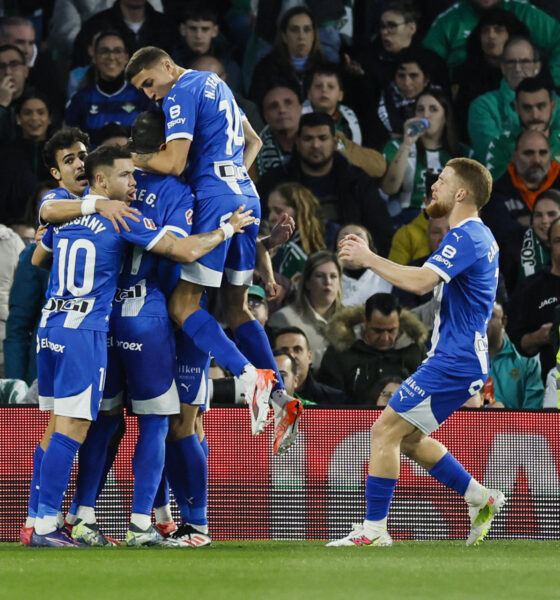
(410, 158)
(359, 284)
(296, 51)
(300, 204)
(319, 297)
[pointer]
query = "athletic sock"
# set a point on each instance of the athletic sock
(175, 469)
(148, 461)
(162, 494)
(86, 514)
(253, 342)
(449, 471)
(92, 458)
(55, 474)
(141, 520)
(379, 492)
(207, 334)
(34, 485)
(163, 514)
(475, 493)
(196, 478)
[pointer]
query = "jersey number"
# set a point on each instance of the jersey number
(234, 130)
(67, 267)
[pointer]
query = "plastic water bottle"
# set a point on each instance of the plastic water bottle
(417, 127)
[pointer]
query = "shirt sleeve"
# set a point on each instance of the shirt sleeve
(455, 254)
(47, 239)
(145, 234)
(180, 111)
(178, 213)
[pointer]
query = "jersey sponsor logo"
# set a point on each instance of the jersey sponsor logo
(93, 109)
(62, 304)
(548, 301)
(49, 196)
(174, 111)
(189, 216)
(172, 98)
(178, 121)
(133, 346)
(415, 387)
(439, 258)
(186, 369)
(149, 224)
(46, 343)
(457, 236)
(137, 291)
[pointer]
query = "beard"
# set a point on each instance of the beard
(439, 208)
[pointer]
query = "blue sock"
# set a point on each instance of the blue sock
(175, 469)
(55, 473)
(196, 473)
(449, 471)
(207, 334)
(253, 342)
(205, 448)
(35, 480)
(92, 458)
(379, 492)
(112, 450)
(147, 464)
(162, 494)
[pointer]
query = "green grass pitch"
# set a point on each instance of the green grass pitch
(435, 570)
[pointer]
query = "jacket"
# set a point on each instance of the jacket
(353, 366)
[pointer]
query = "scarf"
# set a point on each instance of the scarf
(534, 255)
(528, 195)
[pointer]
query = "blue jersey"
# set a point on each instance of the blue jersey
(146, 278)
(200, 107)
(55, 195)
(87, 258)
(467, 261)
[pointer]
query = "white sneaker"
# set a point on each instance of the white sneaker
(357, 537)
(256, 385)
(483, 514)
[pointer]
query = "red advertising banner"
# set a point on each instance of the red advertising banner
(316, 490)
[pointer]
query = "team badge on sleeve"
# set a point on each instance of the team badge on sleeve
(149, 224)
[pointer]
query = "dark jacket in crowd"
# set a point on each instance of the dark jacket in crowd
(357, 196)
(322, 394)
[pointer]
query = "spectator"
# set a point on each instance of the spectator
(493, 112)
(293, 341)
(514, 381)
(111, 99)
(299, 203)
(409, 159)
(535, 250)
(345, 192)
(137, 22)
(398, 98)
(215, 65)
(359, 284)
(536, 107)
(448, 34)
(481, 72)
(531, 312)
(319, 297)
(287, 367)
(296, 51)
(281, 111)
(13, 80)
(384, 389)
(10, 249)
(325, 94)
(508, 213)
(200, 35)
(392, 340)
(256, 299)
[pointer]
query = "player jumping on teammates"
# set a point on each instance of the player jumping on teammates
(463, 272)
(204, 126)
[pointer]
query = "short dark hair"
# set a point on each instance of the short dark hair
(292, 330)
(7, 47)
(550, 194)
(406, 8)
(325, 68)
(143, 59)
(199, 11)
(28, 95)
(63, 138)
(316, 119)
(110, 130)
(109, 33)
(148, 132)
(382, 302)
(534, 84)
(293, 363)
(104, 156)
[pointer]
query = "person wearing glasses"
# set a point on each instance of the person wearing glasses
(110, 99)
(13, 79)
(493, 113)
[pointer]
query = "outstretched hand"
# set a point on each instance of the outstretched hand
(282, 231)
(353, 249)
(116, 211)
(41, 230)
(241, 218)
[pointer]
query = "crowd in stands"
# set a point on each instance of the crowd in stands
(359, 105)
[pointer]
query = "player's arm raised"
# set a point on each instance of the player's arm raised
(253, 144)
(170, 160)
(60, 211)
(419, 280)
(191, 248)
